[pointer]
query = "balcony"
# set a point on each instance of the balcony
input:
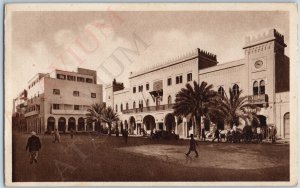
(258, 99)
(32, 113)
(70, 112)
(149, 109)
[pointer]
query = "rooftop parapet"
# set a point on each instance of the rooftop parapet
(183, 57)
(207, 54)
(272, 34)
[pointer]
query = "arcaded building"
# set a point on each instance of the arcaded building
(59, 100)
(263, 75)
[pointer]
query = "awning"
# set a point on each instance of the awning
(156, 93)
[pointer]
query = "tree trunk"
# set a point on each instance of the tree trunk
(109, 129)
(197, 121)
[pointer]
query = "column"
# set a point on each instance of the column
(67, 125)
(93, 126)
(157, 126)
(184, 127)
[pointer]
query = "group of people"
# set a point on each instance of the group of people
(258, 133)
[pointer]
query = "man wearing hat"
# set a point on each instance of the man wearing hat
(33, 146)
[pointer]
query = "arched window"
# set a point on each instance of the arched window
(133, 105)
(127, 106)
(116, 108)
(147, 102)
(169, 100)
(262, 87)
(121, 107)
(255, 88)
(235, 89)
(221, 91)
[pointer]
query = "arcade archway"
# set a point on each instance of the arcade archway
(170, 122)
(62, 124)
(149, 122)
(132, 124)
(81, 124)
(50, 124)
(71, 124)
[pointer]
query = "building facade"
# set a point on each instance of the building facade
(59, 100)
(263, 75)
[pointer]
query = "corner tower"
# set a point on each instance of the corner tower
(268, 70)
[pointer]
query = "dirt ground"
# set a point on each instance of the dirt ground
(103, 158)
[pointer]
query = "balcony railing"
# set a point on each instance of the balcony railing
(258, 99)
(32, 113)
(149, 109)
(71, 112)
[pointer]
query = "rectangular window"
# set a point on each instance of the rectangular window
(134, 90)
(56, 106)
(93, 95)
(71, 78)
(80, 79)
(169, 81)
(141, 88)
(56, 92)
(61, 76)
(189, 77)
(89, 80)
(147, 86)
(76, 93)
(179, 79)
(76, 107)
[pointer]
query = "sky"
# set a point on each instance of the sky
(44, 41)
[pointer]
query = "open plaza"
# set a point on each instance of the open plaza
(103, 158)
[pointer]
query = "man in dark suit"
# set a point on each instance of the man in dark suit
(193, 146)
(33, 146)
(217, 135)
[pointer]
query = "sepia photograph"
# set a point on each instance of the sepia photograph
(151, 94)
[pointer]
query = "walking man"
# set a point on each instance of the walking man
(125, 135)
(71, 133)
(217, 135)
(193, 145)
(273, 134)
(56, 136)
(203, 134)
(33, 146)
(259, 135)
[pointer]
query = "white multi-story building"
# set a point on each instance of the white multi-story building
(263, 75)
(59, 100)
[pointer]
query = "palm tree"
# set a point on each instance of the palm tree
(195, 101)
(95, 113)
(109, 117)
(231, 109)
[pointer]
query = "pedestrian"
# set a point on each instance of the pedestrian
(217, 135)
(56, 136)
(273, 134)
(117, 132)
(72, 133)
(193, 145)
(33, 146)
(259, 134)
(203, 134)
(125, 135)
